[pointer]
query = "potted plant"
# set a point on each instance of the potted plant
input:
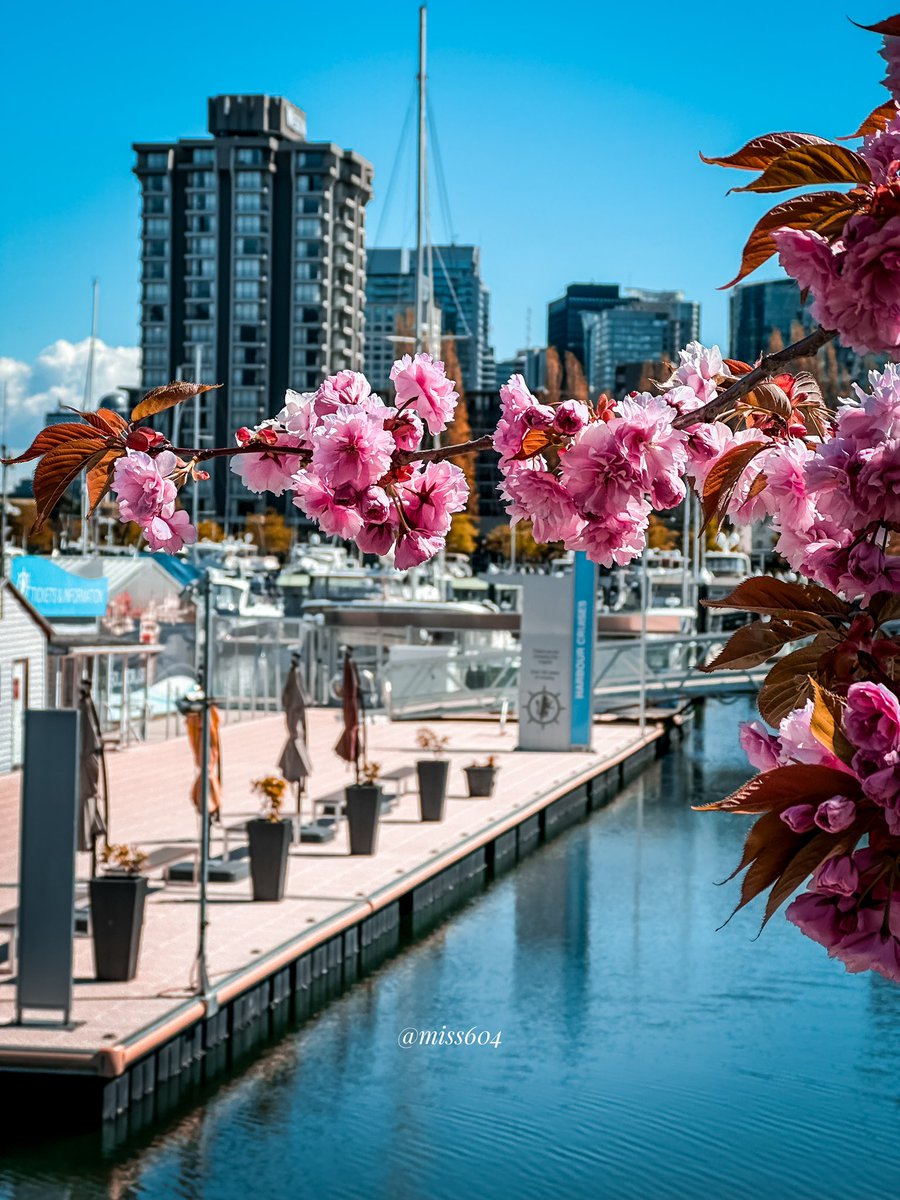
(481, 776)
(363, 809)
(433, 773)
(117, 913)
(269, 836)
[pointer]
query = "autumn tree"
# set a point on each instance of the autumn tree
(210, 531)
(552, 376)
(269, 531)
(459, 430)
(576, 384)
(499, 541)
(463, 535)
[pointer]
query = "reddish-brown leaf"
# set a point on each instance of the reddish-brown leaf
(788, 685)
(776, 790)
(757, 642)
(534, 441)
(807, 858)
(769, 397)
(773, 858)
(724, 476)
(57, 469)
(884, 607)
(736, 367)
(99, 477)
(760, 151)
(877, 119)
(766, 596)
(759, 484)
(825, 163)
(827, 722)
(103, 419)
(167, 396)
(890, 27)
(53, 436)
(800, 212)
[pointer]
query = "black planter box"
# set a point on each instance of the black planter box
(481, 780)
(269, 842)
(433, 774)
(117, 919)
(364, 802)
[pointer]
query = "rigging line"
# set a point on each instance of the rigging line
(443, 193)
(392, 178)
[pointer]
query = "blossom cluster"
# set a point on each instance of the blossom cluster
(855, 281)
(147, 492)
(593, 477)
(852, 905)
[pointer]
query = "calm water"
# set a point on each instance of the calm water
(642, 1054)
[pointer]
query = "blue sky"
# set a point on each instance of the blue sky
(568, 132)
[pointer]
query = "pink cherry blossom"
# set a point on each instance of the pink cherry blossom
(351, 446)
(799, 818)
(141, 484)
(318, 501)
(347, 387)
(698, 368)
(422, 383)
(872, 718)
(414, 548)
(836, 876)
(836, 815)
(761, 747)
(515, 402)
(169, 531)
(376, 539)
(570, 417)
(614, 540)
(299, 415)
(538, 496)
(268, 471)
(432, 495)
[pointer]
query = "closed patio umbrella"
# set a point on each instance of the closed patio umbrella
(351, 744)
(193, 723)
(93, 783)
(295, 764)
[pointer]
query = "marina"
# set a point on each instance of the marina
(125, 1039)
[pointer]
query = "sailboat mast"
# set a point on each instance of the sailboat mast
(88, 401)
(421, 332)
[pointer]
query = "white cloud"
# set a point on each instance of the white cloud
(57, 377)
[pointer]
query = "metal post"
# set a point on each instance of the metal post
(195, 493)
(88, 401)
(419, 332)
(685, 539)
(3, 480)
(206, 684)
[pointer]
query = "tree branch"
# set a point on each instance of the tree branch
(440, 453)
(768, 365)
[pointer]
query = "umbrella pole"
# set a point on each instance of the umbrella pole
(202, 969)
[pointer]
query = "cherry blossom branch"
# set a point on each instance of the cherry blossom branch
(441, 453)
(438, 454)
(768, 364)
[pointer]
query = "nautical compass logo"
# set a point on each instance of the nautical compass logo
(544, 707)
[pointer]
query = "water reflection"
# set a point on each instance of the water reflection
(643, 1054)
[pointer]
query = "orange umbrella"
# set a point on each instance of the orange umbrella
(193, 722)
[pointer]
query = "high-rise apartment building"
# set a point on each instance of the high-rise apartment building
(253, 266)
(461, 306)
(759, 310)
(644, 327)
(565, 326)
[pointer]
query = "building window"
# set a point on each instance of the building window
(310, 316)
(309, 183)
(155, 183)
(249, 333)
(202, 202)
(205, 268)
(199, 310)
(154, 159)
(154, 312)
(247, 180)
(250, 156)
(155, 356)
(154, 270)
(204, 158)
(248, 224)
(307, 293)
(248, 268)
(156, 204)
(201, 245)
(308, 270)
(248, 202)
(247, 377)
(244, 399)
(199, 289)
(310, 206)
(199, 333)
(246, 289)
(250, 245)
(154, 248)
(309, 249)
(155, 335)
(201, 179)
(201, 224)
(247, 355)
(156, 291)
(311, 158)
(245, 310)
(309, 227)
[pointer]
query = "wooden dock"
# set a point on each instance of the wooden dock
(341, 915)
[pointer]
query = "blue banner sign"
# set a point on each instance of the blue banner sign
(55, 592)
(584, 620)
